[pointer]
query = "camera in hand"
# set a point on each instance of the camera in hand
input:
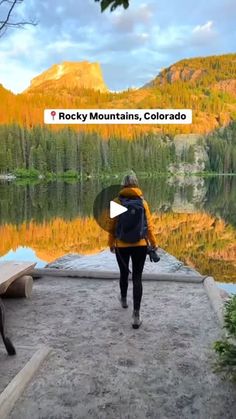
(152, 254)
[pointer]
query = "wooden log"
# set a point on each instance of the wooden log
(21, 287)
(9, 271)
(97, 274)
(15, 388)
(213, 293)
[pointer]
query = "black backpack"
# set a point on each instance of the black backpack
(132, 224)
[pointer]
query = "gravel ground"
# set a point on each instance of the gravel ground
(101, 368)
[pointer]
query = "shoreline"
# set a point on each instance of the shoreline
(106, 261)
(77, 177)
(74, 264)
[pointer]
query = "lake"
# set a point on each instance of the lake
(195, 220)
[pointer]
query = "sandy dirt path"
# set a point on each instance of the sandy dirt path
(103, 369)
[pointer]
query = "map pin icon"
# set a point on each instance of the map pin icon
(53, 113)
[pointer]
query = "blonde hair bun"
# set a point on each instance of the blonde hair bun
(130, 179)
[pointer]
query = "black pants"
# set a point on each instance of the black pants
(138, 256)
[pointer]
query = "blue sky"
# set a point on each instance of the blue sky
(132, 46)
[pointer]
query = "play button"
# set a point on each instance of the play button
(104, 207)
(116, 209)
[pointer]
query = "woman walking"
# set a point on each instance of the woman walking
(129, 235)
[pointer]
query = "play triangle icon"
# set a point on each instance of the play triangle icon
(116, 209)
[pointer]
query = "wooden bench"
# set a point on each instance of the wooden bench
(10, 274)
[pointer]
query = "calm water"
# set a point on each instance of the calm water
(195, 219)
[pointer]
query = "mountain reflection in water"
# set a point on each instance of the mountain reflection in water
(195, 219)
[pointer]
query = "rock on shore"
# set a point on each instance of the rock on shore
(106, 261)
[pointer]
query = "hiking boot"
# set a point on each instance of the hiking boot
(136, 319)
(123, 301)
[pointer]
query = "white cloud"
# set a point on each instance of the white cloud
(204, 34)
(174, 39)
(204, 29)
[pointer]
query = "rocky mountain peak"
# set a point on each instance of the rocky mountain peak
(207, 69)
(70, 75)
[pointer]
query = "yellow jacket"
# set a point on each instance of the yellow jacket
(112, 241)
